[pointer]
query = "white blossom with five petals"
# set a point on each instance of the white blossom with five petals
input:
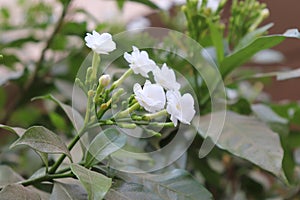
(166, 78)
(140, 62)
(151, 97)
(100, 43)
(180, 107)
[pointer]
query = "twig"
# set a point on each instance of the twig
(47, 177)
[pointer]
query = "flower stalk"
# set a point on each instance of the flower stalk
(129, 110)
(118, 82)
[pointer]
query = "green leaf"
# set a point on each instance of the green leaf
(20, 42)
(74, 116)
(17, 192)
(16, 130)
(249, 37)
(217, 39)
(95, 184)
(9, 59)
(5, 14)
(3, 98)
(130, 191)
(59, 42)
(58, 121)
(74, 28)
(8, 176)
(120, 4)
(244, 54)
(248, 138)
(104, 144)
(240, 57)
(147, 3)
(43, 140)
(267, 115)
(175, 184)
(68, 192)
(131, 152)
(44, 158)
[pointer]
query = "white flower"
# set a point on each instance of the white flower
(152, 97)
(140, 62)
(100, 43)
(180, 107)
(166, 78)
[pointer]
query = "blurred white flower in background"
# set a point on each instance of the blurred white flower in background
(167, 4)
(140, 62)
(180, 107)
(7, 74)
(212, 4)
(151, 97)
(166, 78)
(138, 23)
(100, 43)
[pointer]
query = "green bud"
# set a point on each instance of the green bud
(127, 125)
(153, 133)
(116, 96)
(89, 72)
(91, 93)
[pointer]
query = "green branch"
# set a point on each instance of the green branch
(46, 177)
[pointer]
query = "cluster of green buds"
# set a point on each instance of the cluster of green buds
(246, 16)
(199, 14)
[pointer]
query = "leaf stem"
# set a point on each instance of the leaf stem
(121, 79)
(47, 177)
(155, 115)
(128, 110)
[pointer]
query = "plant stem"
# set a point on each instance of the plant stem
(156, 124)
(155, 115)
(121, 79)
(95, 64)
(128, 110)
(47, 177)
(89, 107)
(56, 165)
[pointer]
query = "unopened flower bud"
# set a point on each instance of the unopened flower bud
(265, 13)
(104, 80)
(89, 72)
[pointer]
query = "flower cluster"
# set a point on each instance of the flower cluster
(163, 95)
(152, 96)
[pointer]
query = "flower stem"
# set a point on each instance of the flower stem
(121, 79)
(128, 110)
(155, 115)
(95, 64)
(89, 107)
(47, 177)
